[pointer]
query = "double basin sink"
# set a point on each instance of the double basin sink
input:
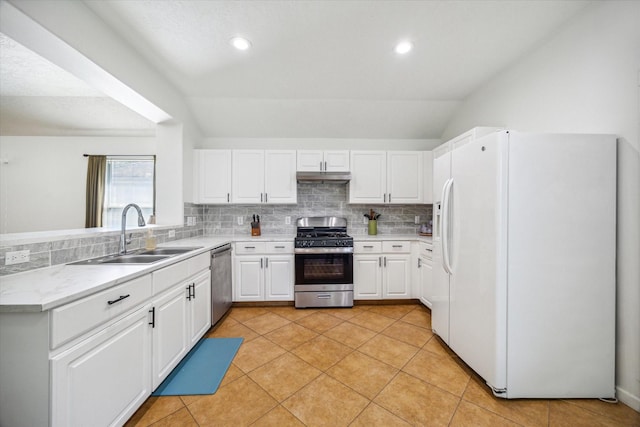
(140, 256)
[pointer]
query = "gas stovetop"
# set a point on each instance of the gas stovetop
(322, 232)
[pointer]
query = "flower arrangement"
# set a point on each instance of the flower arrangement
(372, 215)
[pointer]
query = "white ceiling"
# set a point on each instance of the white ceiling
(40, 98)
(326, 69)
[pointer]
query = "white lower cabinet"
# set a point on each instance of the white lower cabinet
(56, 371)
(105, 378)
(424, 274)
(263, 271)
(381, 270)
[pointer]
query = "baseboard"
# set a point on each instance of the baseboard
(628, 399)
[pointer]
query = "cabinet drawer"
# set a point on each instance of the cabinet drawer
(198, 263)
(169, 276)
(280, 247)
(426, 250)
(72, 320)
(250, 247)
(367, 247)
(400, 247)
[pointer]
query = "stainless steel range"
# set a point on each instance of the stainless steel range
(324, 263)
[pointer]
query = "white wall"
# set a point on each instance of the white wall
(43, 185)
(585, 79)
(319, 143)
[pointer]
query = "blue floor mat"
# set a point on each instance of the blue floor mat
(202, 370)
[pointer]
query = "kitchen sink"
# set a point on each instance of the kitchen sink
(134, 259)
(167, 251)
(140, 256)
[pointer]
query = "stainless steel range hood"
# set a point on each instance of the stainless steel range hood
(320, 177)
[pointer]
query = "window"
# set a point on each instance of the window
(128, 180)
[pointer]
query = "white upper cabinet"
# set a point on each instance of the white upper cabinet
(261, 176)
(386, 177)
(212, 176)
(323, 161)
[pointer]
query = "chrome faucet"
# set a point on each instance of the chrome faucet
(123, 236)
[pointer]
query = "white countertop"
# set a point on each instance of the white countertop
(51, 287)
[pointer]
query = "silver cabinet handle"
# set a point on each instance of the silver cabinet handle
(279, 247)
(379, 261)
(429, 250)
(320, 166)
(419, 263)
(385, 261)
(368, 246)
(389, 197)
(261, 263)
(325, 166)
(266, 197)
(228, 197)
(385, 197)
(261, 195)
(397, 246)
(266, 263)
(249, 247)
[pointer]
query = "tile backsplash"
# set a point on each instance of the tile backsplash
(313, 200)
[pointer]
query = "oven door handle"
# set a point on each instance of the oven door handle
(324, 296)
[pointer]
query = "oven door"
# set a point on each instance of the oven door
(324, 268)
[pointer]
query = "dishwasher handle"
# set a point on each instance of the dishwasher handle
(220, 249)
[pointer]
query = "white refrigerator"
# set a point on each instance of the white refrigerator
(524, 260)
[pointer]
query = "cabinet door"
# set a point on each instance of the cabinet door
(404, 177)
(169, 332)
(104, 379)
(425, 280)
(367, 277)
(310, 160)
(199, 307)
(397, 276)
(249, 278)
(368, 177)
(212, 180)
(280, 185)
(336, 161)
(248, 176)
(279, 277)
(427, 168)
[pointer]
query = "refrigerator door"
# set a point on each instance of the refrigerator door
(477, 329)
(562, 210)
(440, 297)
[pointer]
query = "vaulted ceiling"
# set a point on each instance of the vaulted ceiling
(316, 69)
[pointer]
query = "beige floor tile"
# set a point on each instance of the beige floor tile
(319, 322)
(437, 346)
(349, 334)
(470, 415)
(266, 323)
(389, 350)
(239, 403)
(565, 414)
(181, 418)
(528, 412)
(233, 329)
(326, 402)
(291, 336)
(322, 352)
(292, 313)
(344, 313)
(393, 311)
(373, 321)
(362, 373)
(375, 415)
(154, 409)
(256, 353)
(419, 317)
(616, 411)
(278, 417)
(417, 402)
(406, 332)
(437, 370)
(245, 313)
(284, 376)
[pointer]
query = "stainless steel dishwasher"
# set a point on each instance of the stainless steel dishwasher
(220, 282)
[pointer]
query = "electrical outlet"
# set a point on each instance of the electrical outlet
(240, 220)
(417, 219)
(172, 234)
(17, 257)
(287, 220)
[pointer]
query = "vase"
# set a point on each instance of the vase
(373, 227)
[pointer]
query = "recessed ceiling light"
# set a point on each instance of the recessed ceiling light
(403, 47)
(240, 43)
